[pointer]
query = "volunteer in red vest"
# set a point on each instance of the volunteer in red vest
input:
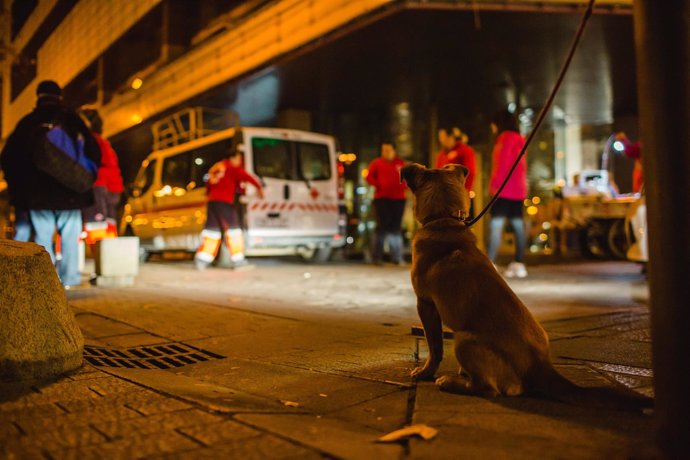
(100, 220)
(222, 219)
(455, 151)
(389, 203)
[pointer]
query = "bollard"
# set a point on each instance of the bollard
(39, 336)
(117, 261)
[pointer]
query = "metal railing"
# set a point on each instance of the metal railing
(191, 123)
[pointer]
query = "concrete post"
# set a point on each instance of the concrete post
(39, 336)
(662, 41)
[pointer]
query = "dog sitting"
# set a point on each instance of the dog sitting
(500, 347)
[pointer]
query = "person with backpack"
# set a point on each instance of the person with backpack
(50, 162)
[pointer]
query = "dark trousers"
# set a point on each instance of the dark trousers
(221, 216)
(389, 214)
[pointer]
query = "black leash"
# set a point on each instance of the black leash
(542, 113)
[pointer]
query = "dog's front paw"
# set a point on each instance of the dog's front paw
(423, 373)
(443, 382)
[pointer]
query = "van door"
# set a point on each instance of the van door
(317, 189)
(271, 160)
(300, 206)
(137, 213)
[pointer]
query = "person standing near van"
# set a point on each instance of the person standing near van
(509, 205)
(222, 219)
(454, 150)
(389, 203)
(100, 220)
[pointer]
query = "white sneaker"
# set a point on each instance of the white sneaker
(516, 270)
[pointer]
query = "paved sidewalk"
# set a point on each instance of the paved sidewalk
(295, 361)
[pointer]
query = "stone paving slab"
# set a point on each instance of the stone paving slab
(285, 383)
(604, 350)
(97, 326)
(384, 414)
(331, 436)
(523, 428)
(256, 448)
(131, 447)
(211, 395)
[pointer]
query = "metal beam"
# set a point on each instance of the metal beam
(528, 6)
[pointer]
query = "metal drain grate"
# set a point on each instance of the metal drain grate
(150, 357)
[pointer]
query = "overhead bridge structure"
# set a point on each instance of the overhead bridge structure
(275, 30)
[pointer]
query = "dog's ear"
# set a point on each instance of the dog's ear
(411, 174)
(458, 169)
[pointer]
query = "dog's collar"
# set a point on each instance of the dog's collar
(435, 217)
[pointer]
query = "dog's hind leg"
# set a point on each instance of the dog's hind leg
(433, 331)
(488, 374)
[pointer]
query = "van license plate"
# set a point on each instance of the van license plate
(279, 222)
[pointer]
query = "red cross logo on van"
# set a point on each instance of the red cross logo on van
(314, 193)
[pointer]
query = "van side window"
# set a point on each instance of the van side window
(314, 161)
(205, 157)
(144, 179)
(176, 171)
(272, 158)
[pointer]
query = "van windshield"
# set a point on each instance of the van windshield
(291, 160)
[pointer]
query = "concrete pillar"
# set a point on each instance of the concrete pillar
(39, 336)
(662, 41)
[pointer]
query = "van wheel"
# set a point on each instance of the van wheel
(318, 255)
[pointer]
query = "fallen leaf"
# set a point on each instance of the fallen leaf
(423, 431)
(289, 403)
(323, 395)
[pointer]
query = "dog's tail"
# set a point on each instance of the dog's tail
(547, 382)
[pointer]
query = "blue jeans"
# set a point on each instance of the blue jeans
(496, 233)
(68, 224)
(22, 226)
(395, 244)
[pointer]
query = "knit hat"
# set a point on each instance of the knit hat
(48, 88)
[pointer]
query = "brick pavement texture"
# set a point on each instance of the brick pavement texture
(91, 414)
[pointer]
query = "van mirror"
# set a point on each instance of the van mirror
(133, 191)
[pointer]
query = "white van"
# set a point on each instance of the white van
(299, 214)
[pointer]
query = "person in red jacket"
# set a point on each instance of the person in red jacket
(633, 150)
(100, 219)
(509, 205)
(389, 203)
(225, 177)
(454, 150)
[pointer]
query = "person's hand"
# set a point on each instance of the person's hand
(260, 193)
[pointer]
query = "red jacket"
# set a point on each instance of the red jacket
(109, 175)
(461, 154)
(634, 151)
(385, 177)
(506, 149)
(224, 179)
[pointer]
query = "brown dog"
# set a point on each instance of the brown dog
(500, 347)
